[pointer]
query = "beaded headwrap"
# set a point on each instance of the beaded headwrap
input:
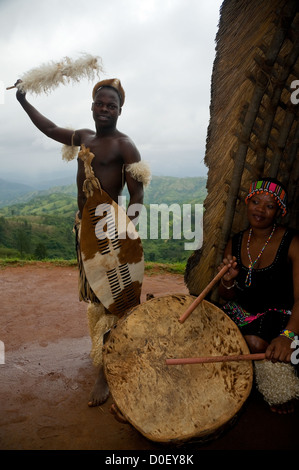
(269, 187)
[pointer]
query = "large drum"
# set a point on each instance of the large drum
(176, 403)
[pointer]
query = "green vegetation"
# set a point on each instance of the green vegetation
(41, 226)
(150, 268)
(15, 262)
(174, 268)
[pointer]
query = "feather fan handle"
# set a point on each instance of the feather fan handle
(49, 76)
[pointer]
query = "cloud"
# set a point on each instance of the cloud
(163, 52)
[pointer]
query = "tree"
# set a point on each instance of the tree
(40, 251)
(23, 242)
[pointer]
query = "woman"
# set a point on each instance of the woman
(261, 288)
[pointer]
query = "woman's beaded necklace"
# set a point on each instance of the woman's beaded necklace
(252, 263)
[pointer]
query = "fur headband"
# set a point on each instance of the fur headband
(113, 83)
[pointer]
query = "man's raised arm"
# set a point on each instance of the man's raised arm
(44, 124)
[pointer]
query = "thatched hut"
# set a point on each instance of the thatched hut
(254, 128)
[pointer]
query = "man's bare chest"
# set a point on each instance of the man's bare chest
(106, 151)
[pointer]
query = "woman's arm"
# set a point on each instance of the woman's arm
(280, 348)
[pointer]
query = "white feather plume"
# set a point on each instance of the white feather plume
(49, 76)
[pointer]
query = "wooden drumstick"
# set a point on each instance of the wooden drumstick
(204, 360)
(203, 294)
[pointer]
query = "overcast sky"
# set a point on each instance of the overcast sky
(163, 52)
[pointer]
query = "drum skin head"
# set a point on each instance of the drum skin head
(176, 403)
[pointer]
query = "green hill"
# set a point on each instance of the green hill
(12, 192)
(172, 190)
(54, 204)
(16, 193)
(41, 226)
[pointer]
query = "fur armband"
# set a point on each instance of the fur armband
(69, 152)
(140, 171)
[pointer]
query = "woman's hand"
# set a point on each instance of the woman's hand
(233, 271)
(280, 349)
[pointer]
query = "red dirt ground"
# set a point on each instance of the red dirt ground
(48, 374)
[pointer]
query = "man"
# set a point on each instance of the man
(116, 161)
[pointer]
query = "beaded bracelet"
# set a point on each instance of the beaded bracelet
(288, 334)
(227, 287)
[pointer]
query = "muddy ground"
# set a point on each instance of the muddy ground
(48, 374)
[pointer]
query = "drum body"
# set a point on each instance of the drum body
(176, 403)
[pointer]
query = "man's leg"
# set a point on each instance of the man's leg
(99, 322)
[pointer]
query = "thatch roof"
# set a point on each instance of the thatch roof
(253, 129)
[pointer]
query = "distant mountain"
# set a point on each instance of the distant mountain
(54, 182)
(171, 190)
(52, 204)
(162, 189)
(12, 192)
(16, 193)
(39, 224)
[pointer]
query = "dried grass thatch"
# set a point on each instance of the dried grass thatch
(253, 129)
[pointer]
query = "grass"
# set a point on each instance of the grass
(150, 267)
(14, 262)
(173, 268)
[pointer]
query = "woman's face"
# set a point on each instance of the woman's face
(262, 209)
